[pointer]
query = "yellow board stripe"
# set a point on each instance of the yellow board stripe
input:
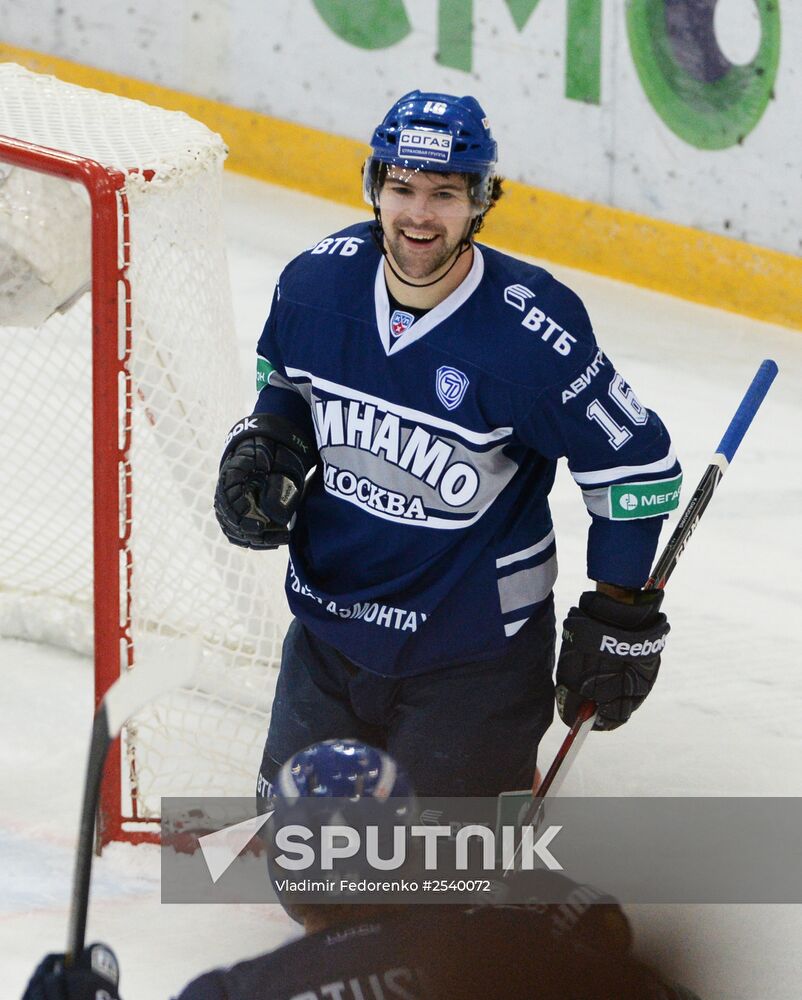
(679, 260)
(665, 256)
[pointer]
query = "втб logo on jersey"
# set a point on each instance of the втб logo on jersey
(518, 297)
(400, 322)
(451, 385)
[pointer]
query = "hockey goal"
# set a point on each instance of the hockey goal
(120, 377)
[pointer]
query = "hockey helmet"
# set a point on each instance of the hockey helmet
(346, 768)
(434, 132)
(337, 782)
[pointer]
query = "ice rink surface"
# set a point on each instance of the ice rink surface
(724, 719)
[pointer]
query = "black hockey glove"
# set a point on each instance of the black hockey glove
(261, 482)
(610, 654)
(95, 975)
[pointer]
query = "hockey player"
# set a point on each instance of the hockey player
(416, 390)
(373, 952)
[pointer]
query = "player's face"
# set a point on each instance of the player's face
(425, 217)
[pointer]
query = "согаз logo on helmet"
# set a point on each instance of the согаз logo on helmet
(424, 144)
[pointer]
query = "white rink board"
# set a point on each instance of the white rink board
(282, 59)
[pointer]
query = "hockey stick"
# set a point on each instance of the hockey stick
(171, 668)
(719, 463)
(663, 568)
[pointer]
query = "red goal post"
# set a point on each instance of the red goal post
(118, 387)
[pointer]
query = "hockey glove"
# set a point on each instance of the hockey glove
(610, 654)
(93, 977)
(262, 479)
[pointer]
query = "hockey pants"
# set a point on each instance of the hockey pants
(466, 730)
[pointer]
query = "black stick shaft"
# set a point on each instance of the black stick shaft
(686, 525)
(170, 668)
(98, 748)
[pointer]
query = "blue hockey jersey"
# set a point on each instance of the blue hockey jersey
(425, 538)
(580, 947)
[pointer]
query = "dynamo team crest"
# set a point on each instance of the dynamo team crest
(400, 322)
(451, 385)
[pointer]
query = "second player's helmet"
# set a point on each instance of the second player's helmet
(439, 132)
(338, 782)
(340, 768)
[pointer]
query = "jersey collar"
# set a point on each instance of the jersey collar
(449, 305)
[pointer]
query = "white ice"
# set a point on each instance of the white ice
(724, 719)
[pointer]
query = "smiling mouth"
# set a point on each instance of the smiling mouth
(419, 239)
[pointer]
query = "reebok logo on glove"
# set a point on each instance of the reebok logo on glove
(609, 645)
(610, 655)
(248, 424)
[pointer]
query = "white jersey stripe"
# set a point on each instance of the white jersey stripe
(418, 416)
(625, 471)
(533, 550)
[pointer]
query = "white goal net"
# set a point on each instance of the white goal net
(119, 368)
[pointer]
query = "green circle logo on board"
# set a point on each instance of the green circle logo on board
(705, 99)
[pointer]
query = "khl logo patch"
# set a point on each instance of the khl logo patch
(451, 385)
(400, 322)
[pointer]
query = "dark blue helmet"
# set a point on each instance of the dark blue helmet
(439, 132)
(337, 782)
(348, 768)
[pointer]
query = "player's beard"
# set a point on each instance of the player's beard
(426, 261)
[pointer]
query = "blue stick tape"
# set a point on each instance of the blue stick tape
(750, 404)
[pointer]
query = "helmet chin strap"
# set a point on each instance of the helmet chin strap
(464, 244)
